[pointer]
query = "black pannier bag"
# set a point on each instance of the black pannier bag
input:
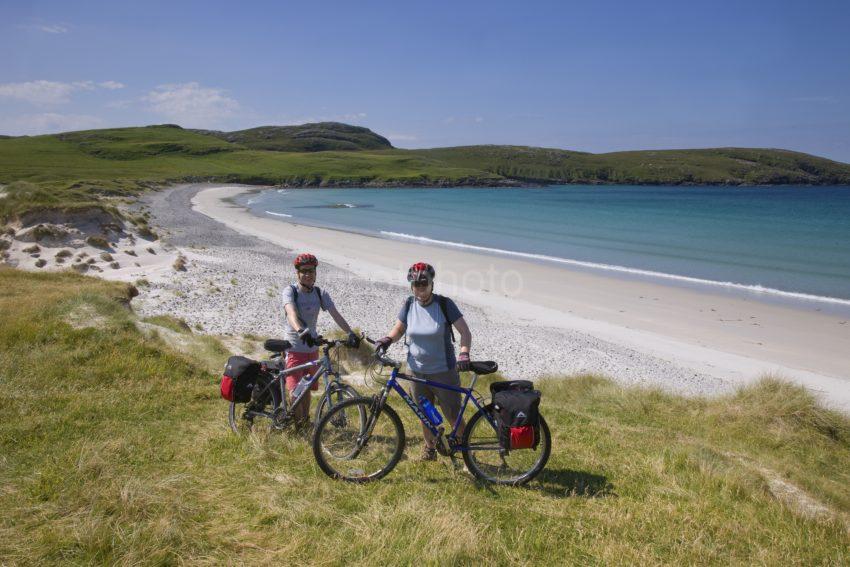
(240, 376)
(517, 409)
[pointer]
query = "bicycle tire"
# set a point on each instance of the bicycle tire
(342, 391)
(238, 424)
(516, 474)
(384, 446)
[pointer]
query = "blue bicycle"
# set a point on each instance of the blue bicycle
(348, 448)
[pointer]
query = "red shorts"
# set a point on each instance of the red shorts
(297, 359)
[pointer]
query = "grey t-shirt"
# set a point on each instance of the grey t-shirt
(429, 339)
(308, 308)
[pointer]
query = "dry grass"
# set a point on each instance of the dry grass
(114, 450)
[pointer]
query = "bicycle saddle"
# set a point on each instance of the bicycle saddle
(482, 367)
(277, 345)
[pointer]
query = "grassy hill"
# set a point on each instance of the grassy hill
(114, 449)
(724, 166)
(318, 137)
(82, 167)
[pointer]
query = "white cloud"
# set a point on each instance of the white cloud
(47, 123)
(40, 92)
(190, 104)
(47, 28)
(111, 85)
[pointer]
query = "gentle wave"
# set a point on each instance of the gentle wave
(279, 214)
(621, 269)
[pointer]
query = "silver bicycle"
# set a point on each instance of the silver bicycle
(269, 400)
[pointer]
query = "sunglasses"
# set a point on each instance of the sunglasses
(308, 271)
(420, 285)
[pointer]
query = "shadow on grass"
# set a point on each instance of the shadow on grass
(564, 483)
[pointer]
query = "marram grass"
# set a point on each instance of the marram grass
(114, 449)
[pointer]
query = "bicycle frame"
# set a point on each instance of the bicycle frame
(324, 369)
(392, 384)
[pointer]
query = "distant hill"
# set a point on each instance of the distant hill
(317, 137)
(717, 166)
(75, 168)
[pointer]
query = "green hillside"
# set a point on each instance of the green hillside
(75, 167)
(719, 166)
(114, 449)
(318, 137)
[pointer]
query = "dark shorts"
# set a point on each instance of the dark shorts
(448, 400)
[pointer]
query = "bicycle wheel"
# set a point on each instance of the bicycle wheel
(237, 419)
(351, 449)
(335, 395)
(242, 422)
(485, 461)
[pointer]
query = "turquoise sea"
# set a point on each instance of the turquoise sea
(779, 242)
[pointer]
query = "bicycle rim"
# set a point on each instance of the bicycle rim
(335, 395)
(485, 461)
(242, 425)
(343, 450)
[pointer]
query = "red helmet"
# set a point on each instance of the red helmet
(420, 271)
(305, 259)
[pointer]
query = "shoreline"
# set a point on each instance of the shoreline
(731, 339)
(795, 299)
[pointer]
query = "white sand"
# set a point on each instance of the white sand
(731, 339)
(129, 257)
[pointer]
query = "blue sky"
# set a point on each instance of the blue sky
(592, 76)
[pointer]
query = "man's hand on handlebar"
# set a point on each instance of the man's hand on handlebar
(353, 340)
(306, 336)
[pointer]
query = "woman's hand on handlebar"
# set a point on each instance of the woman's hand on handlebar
(381, 346)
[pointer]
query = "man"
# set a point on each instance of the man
(427, 319)
(302, 302)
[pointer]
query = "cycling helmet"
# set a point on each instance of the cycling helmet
(305, 259)
(420, 271)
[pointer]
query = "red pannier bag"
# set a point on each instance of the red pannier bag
(522, 437)
(237, 382)
(516, 406)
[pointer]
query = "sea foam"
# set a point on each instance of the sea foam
(621, 269)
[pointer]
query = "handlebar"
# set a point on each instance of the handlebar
(321, 341)
(384, 359)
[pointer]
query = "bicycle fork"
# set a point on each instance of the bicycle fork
(374, 413)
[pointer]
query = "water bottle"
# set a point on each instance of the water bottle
(430, 411)
(300, 387)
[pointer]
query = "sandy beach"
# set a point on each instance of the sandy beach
(535, 319)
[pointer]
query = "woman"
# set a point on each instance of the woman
(427, 318)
